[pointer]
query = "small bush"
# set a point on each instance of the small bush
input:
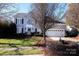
(72, 33)
(39, 34)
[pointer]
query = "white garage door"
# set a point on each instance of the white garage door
(56, 33)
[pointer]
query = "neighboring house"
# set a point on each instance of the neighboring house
(24, 25)
(58, 30)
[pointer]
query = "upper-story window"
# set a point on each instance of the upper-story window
(29, 21)
(18, 20)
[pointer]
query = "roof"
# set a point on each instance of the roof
(58, 21)
(58, 26)
(29, 25)
(20, 15)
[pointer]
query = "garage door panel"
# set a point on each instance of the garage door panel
(56, 33)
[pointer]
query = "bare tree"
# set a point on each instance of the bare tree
(7, 9)
(46, 14)
(72, 17)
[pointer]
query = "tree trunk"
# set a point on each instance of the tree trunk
(44, 36)
(44, 32)
(45, 48)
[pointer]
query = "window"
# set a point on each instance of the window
(19, 21)
(19, 29)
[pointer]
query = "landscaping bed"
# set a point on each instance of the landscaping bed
(64, 47)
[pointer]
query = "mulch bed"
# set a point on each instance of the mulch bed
(57, 48)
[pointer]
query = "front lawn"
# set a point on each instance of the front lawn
(27, 51)
(19, 42)
(10, 46)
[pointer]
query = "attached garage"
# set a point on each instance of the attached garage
(57, 31)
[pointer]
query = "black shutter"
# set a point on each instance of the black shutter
(35, 29)
(16, 21)
(22, 21)
(22, 30)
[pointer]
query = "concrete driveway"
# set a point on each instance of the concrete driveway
(72, 39)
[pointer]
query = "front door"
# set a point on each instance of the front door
(29, 31)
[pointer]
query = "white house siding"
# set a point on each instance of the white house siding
(19, 30)
(19, 25)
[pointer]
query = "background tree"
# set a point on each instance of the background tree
(46, 14)
(72, 17)
(7, 10)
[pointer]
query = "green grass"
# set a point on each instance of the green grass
(3, 52)
(9, 41)
(4, 43)
(18, 42)
(22, 52)
(31, 52)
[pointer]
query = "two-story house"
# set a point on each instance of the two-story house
(24, 25)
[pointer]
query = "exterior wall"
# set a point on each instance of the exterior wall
(20, 26)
